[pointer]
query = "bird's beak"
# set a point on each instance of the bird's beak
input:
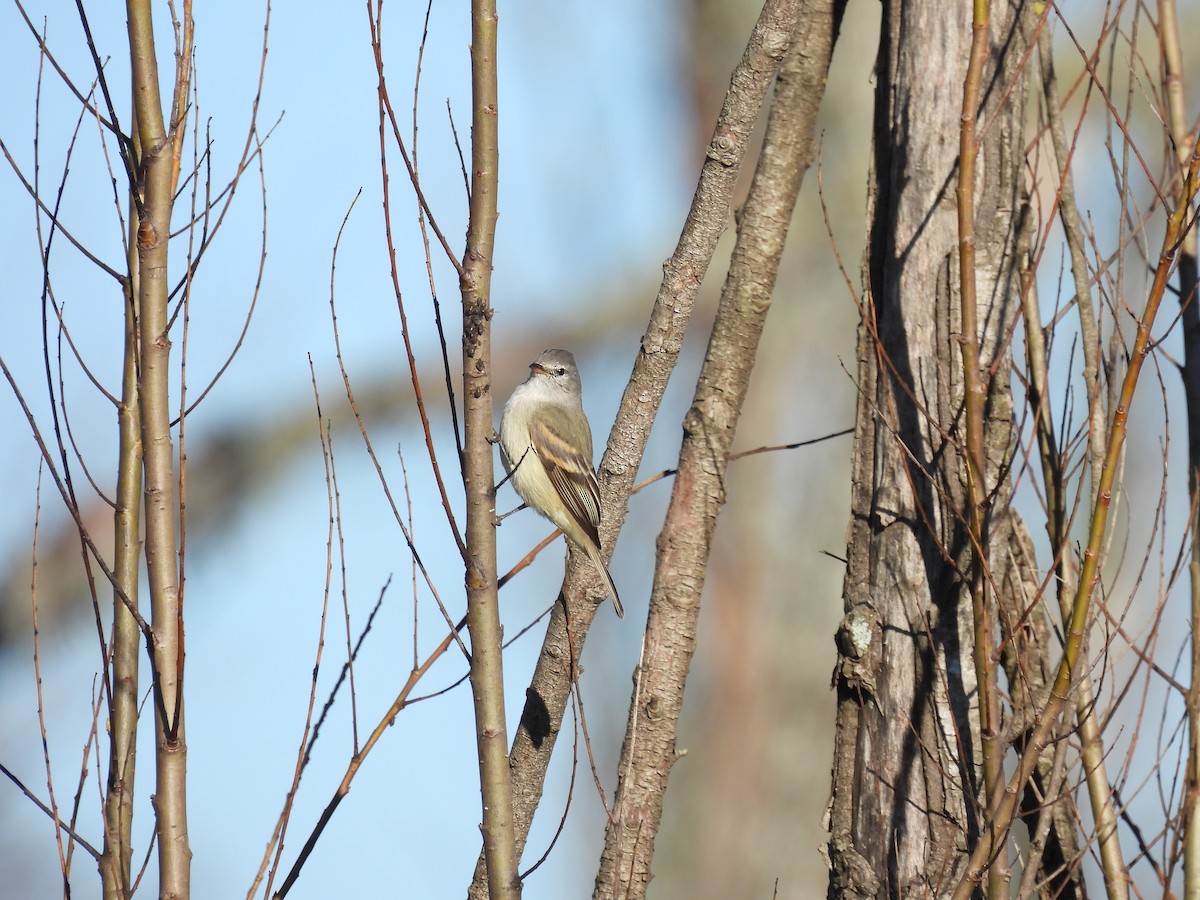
(538, 369)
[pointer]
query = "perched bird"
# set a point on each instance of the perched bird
(546, 448)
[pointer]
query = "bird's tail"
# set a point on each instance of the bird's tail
(608, 582)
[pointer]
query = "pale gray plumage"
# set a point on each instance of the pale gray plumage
(546, 447)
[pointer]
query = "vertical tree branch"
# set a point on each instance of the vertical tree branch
(975, 395)
(115, 870)
(153, 231)
(483, 616)
(1183, 142)
(649, 753)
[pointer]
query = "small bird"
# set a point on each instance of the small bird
(546, 448)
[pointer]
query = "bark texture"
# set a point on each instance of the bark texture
(649, 752)
(906, 761)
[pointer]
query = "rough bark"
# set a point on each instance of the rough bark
(649, 752)
(905, 807)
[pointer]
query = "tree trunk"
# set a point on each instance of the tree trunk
(907, 786)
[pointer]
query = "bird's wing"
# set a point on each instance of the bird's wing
(570, 472)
